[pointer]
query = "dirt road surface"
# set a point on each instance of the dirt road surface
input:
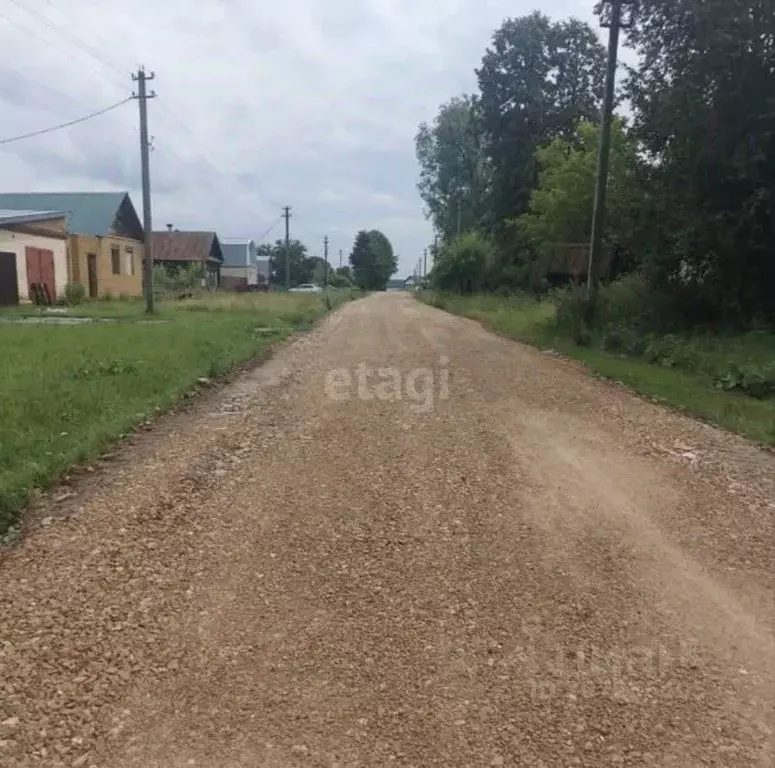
(526, 567)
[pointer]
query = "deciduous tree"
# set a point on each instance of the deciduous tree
(372, 260)
(704, 111)
(538, 79)
(454, 172)
(301, 265)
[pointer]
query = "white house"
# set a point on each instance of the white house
(33, 255)
(239, 271)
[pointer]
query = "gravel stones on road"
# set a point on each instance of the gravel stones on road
(519, 574)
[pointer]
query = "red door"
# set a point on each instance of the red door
(40, 270)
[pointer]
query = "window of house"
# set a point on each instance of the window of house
(130, 260)
(115, 260)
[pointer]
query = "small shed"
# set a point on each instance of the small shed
(562, 263)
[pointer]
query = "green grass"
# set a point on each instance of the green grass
(69, 390)
(685, 378)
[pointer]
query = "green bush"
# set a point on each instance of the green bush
(185, 281)
(462, 266)
(574, 315)
(336, 280)
(754, 381)
(75, 294)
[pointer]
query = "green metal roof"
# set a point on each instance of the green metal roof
(88, 213)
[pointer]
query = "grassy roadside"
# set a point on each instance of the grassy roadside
(68, 391)
(685, 376)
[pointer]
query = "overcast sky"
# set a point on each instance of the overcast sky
(309, 103)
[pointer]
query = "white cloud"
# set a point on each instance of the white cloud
(307, 103)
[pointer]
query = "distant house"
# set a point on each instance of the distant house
(33, 256)
(239, 271)
(174, 249)
(105, 250)
(410, 283)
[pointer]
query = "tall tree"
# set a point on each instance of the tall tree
(302, 266)
(537, 80)
(372, 260)
(703, 105)
(454, 173)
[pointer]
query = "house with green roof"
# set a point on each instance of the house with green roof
(105, 251)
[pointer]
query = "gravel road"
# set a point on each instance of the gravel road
(481, 556)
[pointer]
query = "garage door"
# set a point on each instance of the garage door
(40, 272)
(9, 279)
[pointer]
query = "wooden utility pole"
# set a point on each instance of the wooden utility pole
(142, 96)
(424, 263)
(287, 215)
(325, 256)
(340, 258)
(604, 149)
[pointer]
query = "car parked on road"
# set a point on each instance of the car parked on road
(306, 288)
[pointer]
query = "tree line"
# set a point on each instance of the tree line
(372, 262)
(507, 174)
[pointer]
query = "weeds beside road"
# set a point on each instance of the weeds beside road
(68, 390)
(703, 375)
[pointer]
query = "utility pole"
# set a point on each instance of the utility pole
(340, 258)
(287, 214)
(615, 24)
(325, 256)
(142, 96)
(424, 263)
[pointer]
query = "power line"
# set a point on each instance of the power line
(65, 125)
(273, 225)
(94, 53)
(97, 55)
(48, 41)
(225, 174)
(50, 24)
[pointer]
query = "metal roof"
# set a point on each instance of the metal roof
(88, 213)
(186, 246)
(9, 217)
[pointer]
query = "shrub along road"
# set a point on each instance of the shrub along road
(511, 564)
